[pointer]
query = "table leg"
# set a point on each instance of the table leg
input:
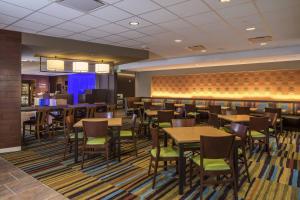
(119, 144)
(235, 164)
(76, 146)
(181, 169)
(165, 139)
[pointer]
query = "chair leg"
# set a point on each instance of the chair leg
(65, 151)
(82, 161)
(201, 186)
(38, 133)
(155, 172)
(23, 133)
(150, 164)
(135, 146)
(191, 173)
(246, 163)
(234, 182)
(107, 155)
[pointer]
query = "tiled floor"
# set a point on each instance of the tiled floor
(16, 184)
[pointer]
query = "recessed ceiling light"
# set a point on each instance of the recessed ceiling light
(225, 1)
(177, 41)
(203, 50)
(250, 28)
(263, 43)
(134, 23)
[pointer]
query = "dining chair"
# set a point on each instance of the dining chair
(273, 125)
(279, 117)
(90, 111)
(60, 122)
(215, 109)
(213, 120)
(129, 136)
(107, 115)
(259, 131)
(242, 110)
(156, 107)
(70, 134)
(144, 124)
(215, 159)
(181, 113)
(190, 110)
(241, 130)
(159, 154)
(147, 105)
(95, 139)
(164, 118)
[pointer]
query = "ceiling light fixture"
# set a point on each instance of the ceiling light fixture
(177, 41)
(55, 65)
(203, 50)
(102, 68)
(263, 44)
(250, 28)
(134, 23)
(80, 67)
(225, 1)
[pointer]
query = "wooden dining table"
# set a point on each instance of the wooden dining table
(115, 123)
(188, 135)
(153, 113)
(235, 118)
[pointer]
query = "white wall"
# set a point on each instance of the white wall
(143, 79)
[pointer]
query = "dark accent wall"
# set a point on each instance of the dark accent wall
(41, 82)
(126, 84)
(10, 89)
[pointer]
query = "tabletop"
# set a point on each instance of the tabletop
(112, 122)
(154, 112)
(179, 104)
(235, 118)
(192, 134)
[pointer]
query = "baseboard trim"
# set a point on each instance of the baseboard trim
(11, 149)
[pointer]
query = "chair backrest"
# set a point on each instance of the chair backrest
(42, 117)
(155, 107)
(183, 122)
(165, 115)
(69, 124)
(272, 118)
(274, 110)
(216, 109)
(169, 106)
(107, 115)
(259, 123)
(213, 120)
(190, 108)
(242, 110)
(216, 147)
(239, 130)
(181, 112)
(147, 105)
(155, 140)
(95, 129)
(90, 111)
(133, 121)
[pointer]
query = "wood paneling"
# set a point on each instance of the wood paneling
(260, 85)
(10, 87)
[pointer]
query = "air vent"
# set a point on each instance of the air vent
(81, 5)
(196, 48)
(262, 39)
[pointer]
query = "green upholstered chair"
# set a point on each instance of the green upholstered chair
(129, 136)
(273, 125)
(164, 118)
(190, 110)
(215, 159)
(159, 154)
(96, 139)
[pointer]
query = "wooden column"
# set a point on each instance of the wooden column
(10, 91)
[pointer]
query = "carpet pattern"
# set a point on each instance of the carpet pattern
(272, 177)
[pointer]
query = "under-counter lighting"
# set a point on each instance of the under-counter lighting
(55, 65)
(102, 68)
(177, 41)
(263, 44)
(80, 67)
(225, 1)
(203, 50)
(250, 28)
(134, 23)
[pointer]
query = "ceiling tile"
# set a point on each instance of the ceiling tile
(203, 18)
(189, 8)
(12, 10)
(137, 6)
(2, 25)
(44, 19)
(142, 23)
(216, 4)
(240, 10)
(101, 41)
(56, 32)
(153, 29)
(130, 43)
(113, 28)
(176, 24)
(71, 26)
(20, 29)
(96, 33)
(5, 19)
(32, 25)
(132, 34)
(81, 37)
(159, 16)
(111, 1)
(146, 39)
(91, 21)
(115, 38)
(111, 14)
(265, 5)
(61, 11)
(30, 4)
(168, 2)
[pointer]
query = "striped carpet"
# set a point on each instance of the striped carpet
(274, 177)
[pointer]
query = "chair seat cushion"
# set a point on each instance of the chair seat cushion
(165, 152)
(165, 125)
(212, 164)
(96, 140)
(192, 114)
(80, 135)
(125, 133)
(256, 134)
(240, 151)
(271, 129)
(225, 128)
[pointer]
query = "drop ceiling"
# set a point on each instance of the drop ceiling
(220, 27)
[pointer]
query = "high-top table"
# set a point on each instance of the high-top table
(112, 122)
